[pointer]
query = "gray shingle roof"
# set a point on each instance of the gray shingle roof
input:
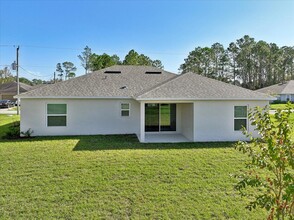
(99, 84)
(281, 88)
(132, 82)
(11, 87)
(194, 86)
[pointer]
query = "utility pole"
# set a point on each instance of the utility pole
(54, 77)
(17, 78)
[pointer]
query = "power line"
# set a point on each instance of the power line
(102, 49)
(48, 47)
(33, 74)
(31, 66)
(27, 71)
(3, 45)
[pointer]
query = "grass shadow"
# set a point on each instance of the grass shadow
(5, 128)
(127, 142)
(111, 142)
(119, 142)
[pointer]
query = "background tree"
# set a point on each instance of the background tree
(59, 70)
(245, 60)
(157, 63)
(37, 81)
(71, 75)
(25, 80)
(85, 58)
(98, 62)
(253, 64)
(116, 59)
(193, 63)
(6, 75)
(68, 68)
(269, 178)
(232, 52)
(134, 58)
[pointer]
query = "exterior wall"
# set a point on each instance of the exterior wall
(197, 121)
(287, 97)
(84, 117)
(186, 123)
(283, 97)
(214, 120)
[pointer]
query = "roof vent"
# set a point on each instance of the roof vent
(153, 72)
(123, 87)
(112, 72)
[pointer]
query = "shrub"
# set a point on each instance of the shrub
(269, 178)
(27, 133)
(13, 131)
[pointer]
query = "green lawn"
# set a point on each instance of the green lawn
(277, 106)
(115, 177)
(291, 122)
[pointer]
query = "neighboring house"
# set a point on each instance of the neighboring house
(9, 90)
(283, 91)
(156, 105)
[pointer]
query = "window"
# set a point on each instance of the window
(56, 115)
(125, 109)
(240, 117)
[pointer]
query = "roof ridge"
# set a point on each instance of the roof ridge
(160, 84)
(196, 79)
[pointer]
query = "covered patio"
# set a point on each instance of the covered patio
(166, 122)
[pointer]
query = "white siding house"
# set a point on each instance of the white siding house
(282, 91)
(155, 105)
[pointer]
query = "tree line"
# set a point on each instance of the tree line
(245, 62)
(92, 62)
(6, 76)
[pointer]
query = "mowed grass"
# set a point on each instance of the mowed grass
(116, 177)
(278, 106)
(291, 121)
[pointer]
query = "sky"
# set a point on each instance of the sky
(54, 31)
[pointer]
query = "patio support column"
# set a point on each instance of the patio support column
(142, 121)
(194, 121)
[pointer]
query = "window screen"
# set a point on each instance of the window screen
(240, 117)
(125, 109)
(56, 114)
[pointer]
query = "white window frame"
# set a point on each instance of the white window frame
(128, 110)
(48, 115)
(246, 118)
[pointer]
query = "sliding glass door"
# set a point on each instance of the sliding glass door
(160, 117)
(151, 117)
(167, 117)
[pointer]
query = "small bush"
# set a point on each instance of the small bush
(279, 102)
(13, 131)
(27, 133)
